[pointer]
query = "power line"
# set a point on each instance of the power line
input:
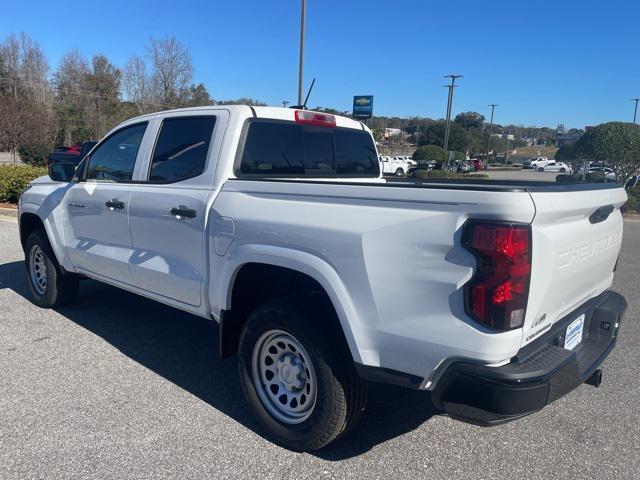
(79, 92)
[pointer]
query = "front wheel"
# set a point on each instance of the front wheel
(49, 285)
(399, 172)
(300, 383)
(541, 169)
(562, 170)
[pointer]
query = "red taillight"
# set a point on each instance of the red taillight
(497, 294)
(306, 117)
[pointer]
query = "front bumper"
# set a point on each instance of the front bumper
(541, 372)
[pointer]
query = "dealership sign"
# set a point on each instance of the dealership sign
(362, 106)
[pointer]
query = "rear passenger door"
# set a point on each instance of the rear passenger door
(168, 211)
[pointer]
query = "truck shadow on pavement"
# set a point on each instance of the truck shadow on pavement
(183, 349)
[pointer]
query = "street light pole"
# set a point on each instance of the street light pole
(285, 103)
(449, 103)
(303, 11)
(635, 111)
(493, 107)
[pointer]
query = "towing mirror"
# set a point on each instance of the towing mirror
(62, 172)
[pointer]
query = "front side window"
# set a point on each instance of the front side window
(181, 149)
(283, 148)
(114, 159)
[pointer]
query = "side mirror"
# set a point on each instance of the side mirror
(62, 172)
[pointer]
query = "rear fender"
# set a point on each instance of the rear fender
(299, 261)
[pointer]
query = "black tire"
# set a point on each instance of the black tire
(61, 288)
(399, 172)
(341, 393)
(562, 170)
(541, 169)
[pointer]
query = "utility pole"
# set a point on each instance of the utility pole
(506, 153)
(493, 107)
(453, 78)
(303, 11)
(635, 111)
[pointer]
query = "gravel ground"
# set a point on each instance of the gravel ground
(116, 386)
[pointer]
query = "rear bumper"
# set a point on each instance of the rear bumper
(541, 372)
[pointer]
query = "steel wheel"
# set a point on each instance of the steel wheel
(284, 377)
(38, 270)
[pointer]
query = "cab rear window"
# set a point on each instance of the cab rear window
(283, 148)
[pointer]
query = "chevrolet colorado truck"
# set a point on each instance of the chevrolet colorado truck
(277, 224)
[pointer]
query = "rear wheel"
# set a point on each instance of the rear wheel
(49, 285)
(541, 169)
(399, 172)
(562, 170)
(300, 383)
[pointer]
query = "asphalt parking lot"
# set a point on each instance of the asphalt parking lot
(116, 386)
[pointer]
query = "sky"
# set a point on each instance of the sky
(575, 62)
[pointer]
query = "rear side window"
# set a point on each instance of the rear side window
(356, 153)
(284, 148)
(181, 149)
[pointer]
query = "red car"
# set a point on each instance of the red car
(477, 164)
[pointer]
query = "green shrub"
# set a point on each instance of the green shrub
(14, 179)
(34, 154)
(430, 152)
(422, 174)
(458, 155)
(633, 204)
(501, 168)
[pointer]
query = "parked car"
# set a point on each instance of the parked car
(477, 164)
(393, 166)
(536, 162)
(73, 154)
(556, 167)
(608, 172)
(495, 296)
(461, 166)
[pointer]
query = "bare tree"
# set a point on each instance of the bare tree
(171, 68)
(25, 67)
(10, 52)
(71, 102)
(23, 123)
(34, 68)
(136, 82)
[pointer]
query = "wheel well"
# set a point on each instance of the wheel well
(29, 222)
(258, 283)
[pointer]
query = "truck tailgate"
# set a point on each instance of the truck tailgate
(576, 237)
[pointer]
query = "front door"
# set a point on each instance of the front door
(97, 236)
(167, 213)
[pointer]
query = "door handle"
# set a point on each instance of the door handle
(182, 211)
(113, 204)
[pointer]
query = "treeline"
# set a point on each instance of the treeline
(85, 97)
(469, 132)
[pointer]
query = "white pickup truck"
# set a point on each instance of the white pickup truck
(276, 224)
(395, 165)
(536, 162)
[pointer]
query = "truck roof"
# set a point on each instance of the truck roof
(274, 113)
